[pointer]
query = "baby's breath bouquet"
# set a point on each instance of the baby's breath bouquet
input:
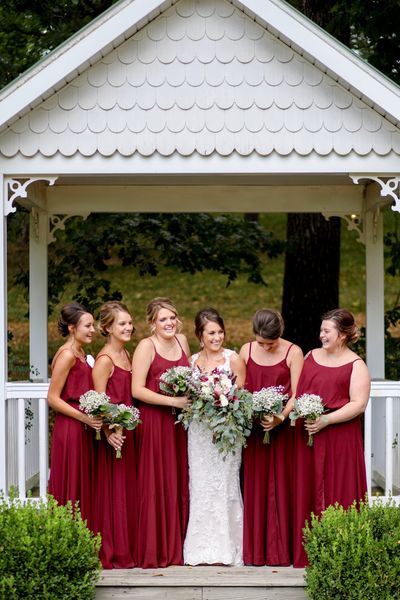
(309, 407)
(225, 409)
(267, 403)
(95, 404)
(121, 416)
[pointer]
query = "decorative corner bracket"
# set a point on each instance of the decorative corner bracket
(354, 223)
(16, 189)
(57, 222)
(390, 186)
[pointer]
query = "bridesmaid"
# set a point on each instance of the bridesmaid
(72, 440)
(333, 470)
(267, 468)
(114, 502)
(162, 446)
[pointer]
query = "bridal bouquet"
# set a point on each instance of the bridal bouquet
(267, 403)
(307, 406)
(121, 417)
(95, 404)
(225, 409)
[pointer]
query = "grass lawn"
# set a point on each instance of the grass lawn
(237, 302)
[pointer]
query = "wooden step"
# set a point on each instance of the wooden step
(203, 583)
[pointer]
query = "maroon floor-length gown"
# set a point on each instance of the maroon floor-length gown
(114, 487)
(267, 477)
(163, 495)
(333, 469)
(72, 447)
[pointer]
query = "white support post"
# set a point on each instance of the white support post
(375, 307)
(3, 333)
(38, 303)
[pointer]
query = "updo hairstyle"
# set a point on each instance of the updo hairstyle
(344, 323)
(205, 316)
(108, 313)
(154, 307)
(268, 324)
(70, 315)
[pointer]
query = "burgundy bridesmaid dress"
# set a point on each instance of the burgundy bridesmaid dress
(163, 496)
(333, 469)
(72, 447)
(267, 478)
(114, 487)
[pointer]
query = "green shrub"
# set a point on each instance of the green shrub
(354, 554)
(46, 552)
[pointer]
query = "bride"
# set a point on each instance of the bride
(215, 529)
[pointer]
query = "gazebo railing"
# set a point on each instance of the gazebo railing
(25, 430)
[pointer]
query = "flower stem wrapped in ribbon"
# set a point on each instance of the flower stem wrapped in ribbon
(308, 407)
(267, 403)
(121, 417)
(95, 404)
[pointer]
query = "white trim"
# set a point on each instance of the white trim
(3, 336)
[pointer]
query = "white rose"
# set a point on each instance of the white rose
(224, 400)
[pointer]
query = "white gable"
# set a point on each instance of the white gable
(202, 78)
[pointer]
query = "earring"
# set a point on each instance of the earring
(201, 344)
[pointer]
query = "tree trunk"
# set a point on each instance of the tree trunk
(311, 280)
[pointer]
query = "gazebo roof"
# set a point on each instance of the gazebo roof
(209, 78)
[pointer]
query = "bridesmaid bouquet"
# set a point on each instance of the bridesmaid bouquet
(267, 403)
(95, 404)
(176, 381)
(120, 416)
(225, 409)
(307, 406)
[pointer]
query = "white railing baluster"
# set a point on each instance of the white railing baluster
(389, 450)
(368, 445)
(21, 448)
(43, 447)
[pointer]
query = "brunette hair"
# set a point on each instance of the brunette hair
(205, 316)
(153, 308)
(268, 324)
(344, 323)
(70, 315)
(108, 313)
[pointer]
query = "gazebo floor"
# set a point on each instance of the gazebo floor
(203, 583)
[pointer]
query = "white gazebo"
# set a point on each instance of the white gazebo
(196, 105)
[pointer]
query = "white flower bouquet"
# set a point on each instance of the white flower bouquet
(309, 407)
(121, 416)
(267, 403)
(95, 404)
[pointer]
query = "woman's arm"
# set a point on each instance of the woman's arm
(102, 370)
(295, 364)
(62, 366)
(141, 361)
(360, 385)
(238, 368)
(244, 352)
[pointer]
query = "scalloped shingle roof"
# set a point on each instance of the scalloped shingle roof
(202, 77)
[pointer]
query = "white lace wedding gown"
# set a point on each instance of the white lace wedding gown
(215, 529)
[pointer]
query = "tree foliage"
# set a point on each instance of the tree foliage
(224, 243)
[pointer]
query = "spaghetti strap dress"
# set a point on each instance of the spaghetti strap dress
(267, 478)
(114, 487)
(162, 482)
(72, 447)
(333, 469)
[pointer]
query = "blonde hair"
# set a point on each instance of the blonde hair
(154, 307)
(108, 313)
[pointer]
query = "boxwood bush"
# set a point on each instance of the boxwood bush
(354, 554)
(46, 552)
